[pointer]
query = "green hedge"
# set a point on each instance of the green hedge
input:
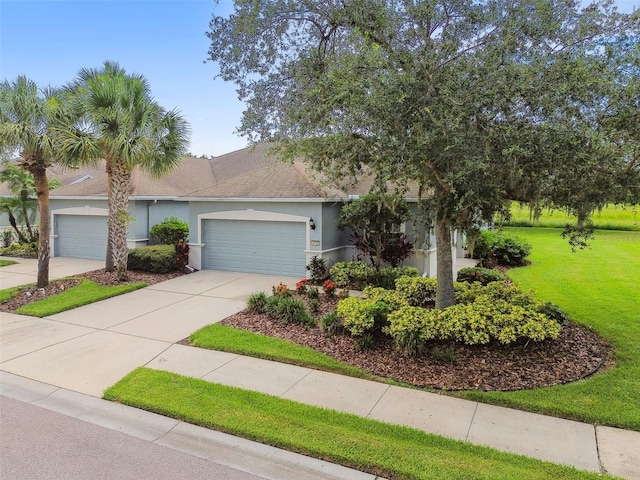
(153, 259)
(358, 275)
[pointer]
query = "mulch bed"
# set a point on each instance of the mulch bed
(575, 354)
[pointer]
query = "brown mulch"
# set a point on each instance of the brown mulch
(575, 354)
(25, 295)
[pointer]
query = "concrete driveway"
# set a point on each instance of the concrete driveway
(90, 348)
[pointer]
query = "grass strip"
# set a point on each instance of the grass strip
(6, 263)
(391, 451)
(85, 293)
(599, 288)
(234, 340)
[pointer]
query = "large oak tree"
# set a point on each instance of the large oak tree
(470, 100)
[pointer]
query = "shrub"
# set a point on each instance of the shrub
(313, 293)
(511, 249)
(153, 259)
(314, 305)
(182, 254)
(552, 311)
(411, 328)
(329, 287)
(330, 323)
(417, 291)
(256, 302)
(504, 248)
(169, 231)
(286, 309)
(361, 315)
(388, 297)
(26, 250)
(7, 238)
(479, 274)
(317, 268)
(301, 286)
(358, 275)
(488, 319)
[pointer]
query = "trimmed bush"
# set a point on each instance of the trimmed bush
(388, 297)
(411, 328)
(169, 231)
(501, 247)
(153, 259)
(479, 274)
(417, 291)
(358, 275)
(361, 315)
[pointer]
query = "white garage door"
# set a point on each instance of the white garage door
(256, 247)
(82, 236)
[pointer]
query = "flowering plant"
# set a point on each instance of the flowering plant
(281, 289)
(329, 287)
(301, 286)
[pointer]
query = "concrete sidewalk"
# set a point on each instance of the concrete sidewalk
(90, 348)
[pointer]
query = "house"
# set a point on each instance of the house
(246, 212)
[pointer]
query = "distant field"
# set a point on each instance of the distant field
(612, 217)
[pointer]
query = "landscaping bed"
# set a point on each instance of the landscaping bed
(575, 354)
(31, 293)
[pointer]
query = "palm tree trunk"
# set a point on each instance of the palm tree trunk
(108, 261)
(42, 193)
(119, 219)
(444, 270)
(14, 224)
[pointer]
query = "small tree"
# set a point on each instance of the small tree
(375, 220)
(170, 231)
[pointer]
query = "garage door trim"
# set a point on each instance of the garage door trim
(256, 216)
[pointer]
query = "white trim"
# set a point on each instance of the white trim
(86, 210)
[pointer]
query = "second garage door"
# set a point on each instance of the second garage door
(257, 247)
(81, 236)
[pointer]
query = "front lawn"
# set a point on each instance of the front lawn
(387, 450)
(600, 288)
(5, 263)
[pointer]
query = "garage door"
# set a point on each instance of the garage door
(257, 247)
(82, 236)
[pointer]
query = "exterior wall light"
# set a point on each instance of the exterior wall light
(312, 224)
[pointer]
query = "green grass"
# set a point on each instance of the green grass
(388, 450)
(85, 293)
(4, 263)
(229, 339)
(600, 288)
(612, 217)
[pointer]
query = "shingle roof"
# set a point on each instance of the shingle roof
(245, 173)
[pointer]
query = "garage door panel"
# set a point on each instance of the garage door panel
(259, 247)
(82, 236)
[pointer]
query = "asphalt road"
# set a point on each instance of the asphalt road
(39, 444)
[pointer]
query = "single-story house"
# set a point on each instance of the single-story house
(246, 212)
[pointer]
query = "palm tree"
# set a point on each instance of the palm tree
(21, 206)
(120, 122)
(26, 119)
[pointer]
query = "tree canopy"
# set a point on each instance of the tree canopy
(473, 101)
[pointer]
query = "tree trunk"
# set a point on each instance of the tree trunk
(444, 271)
(42, 193)
(108, 259)
(119, 219)
(14, 224)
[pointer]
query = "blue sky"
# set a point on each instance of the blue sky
(49, 41)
